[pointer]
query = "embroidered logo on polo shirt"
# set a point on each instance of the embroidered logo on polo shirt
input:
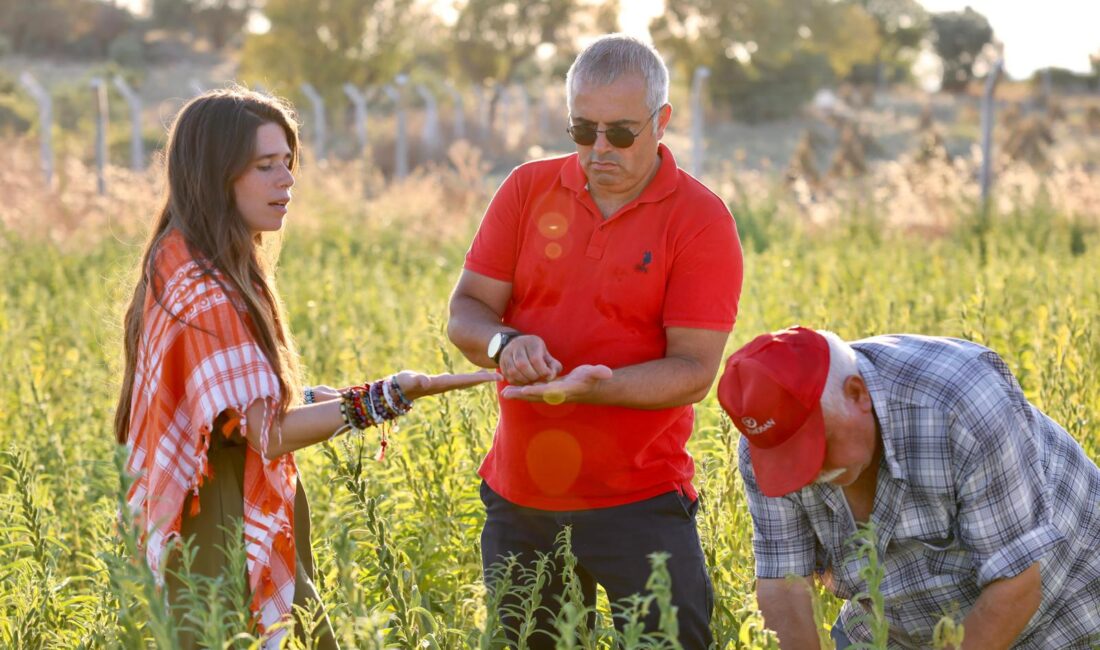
(646, 259)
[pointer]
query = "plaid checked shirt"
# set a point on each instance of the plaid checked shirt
(975, 484)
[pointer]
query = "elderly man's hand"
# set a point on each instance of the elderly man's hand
(525, 360)
(577, 386)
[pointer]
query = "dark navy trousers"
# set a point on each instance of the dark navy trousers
(612, 546)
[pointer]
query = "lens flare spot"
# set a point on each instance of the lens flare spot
(553, 250)
(553, 225)
(554, 397)
(554, 461)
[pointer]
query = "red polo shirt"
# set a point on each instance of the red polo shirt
(602, 291)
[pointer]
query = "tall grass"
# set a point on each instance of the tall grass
(366, 282)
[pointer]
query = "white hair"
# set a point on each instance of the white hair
(614, 55)
(842, 365)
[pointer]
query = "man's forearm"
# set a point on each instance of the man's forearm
(1002, 611)
(788, 611)
(682, 376)
(661, 383)
(472, 323)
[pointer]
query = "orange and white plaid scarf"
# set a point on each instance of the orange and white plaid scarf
(187, 374)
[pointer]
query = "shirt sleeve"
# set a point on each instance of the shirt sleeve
(704, 286)
(495, 248)
(782, 539)
(1004, 512)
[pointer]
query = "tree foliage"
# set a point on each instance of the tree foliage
(330, 43)
(75, 28)
(218, 21)
(522, 40)
(492, 39)
(960, 37)
(902, 26)
(767, 56)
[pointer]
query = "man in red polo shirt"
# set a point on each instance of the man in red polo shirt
(604, 285)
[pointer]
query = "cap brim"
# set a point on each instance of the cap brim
(793, 464)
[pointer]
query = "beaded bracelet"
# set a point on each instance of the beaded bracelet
(401, 405)
(373, 404)
(351, 408)
(364, 416)
(375, 400)
(307, 394)
(405, 401)
(389, 398)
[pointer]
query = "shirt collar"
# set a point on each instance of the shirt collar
(882, 413)
(663, 183)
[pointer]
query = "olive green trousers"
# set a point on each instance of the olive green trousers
(221, 512)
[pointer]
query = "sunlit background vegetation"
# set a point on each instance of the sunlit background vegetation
(855, 192)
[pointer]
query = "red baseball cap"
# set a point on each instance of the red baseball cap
(771, 389)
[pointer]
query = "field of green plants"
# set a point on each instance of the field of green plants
(366, 282)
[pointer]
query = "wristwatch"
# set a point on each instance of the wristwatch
(498, 343)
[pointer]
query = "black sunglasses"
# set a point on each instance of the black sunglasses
(618, 136)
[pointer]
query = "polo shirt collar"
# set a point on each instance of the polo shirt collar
(663, 183)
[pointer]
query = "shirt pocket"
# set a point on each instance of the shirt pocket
(945, 555)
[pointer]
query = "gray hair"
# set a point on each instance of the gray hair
(842, 365)
(614, 55)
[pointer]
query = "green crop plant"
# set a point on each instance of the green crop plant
(397, 541)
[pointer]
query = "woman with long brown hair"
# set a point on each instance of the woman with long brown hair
(212, 406)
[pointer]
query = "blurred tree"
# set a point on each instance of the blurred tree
(960, 37)
(100, 24)
(36, 28)
(173, 15)
(843, 32)
(84, 28)
(1060, 80)
(767, 56)
(218, 21)
(902, 26)
(504, 42)
(330, 43)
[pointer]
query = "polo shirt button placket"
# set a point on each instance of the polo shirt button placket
(597, 243)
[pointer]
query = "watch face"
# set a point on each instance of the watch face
(495, 344)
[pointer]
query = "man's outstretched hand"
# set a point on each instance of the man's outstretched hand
(577, 386)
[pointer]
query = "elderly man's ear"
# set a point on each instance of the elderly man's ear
(855, 390)
(663, 117)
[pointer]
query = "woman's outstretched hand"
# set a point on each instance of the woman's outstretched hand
(415, 384)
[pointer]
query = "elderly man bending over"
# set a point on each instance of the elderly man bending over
(981, 503)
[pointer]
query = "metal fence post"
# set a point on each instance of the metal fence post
(401, 145)
(987, 132)
(524, 104)
(459, 112)
(482, 99)
(697, 145)
(503, 116)
(544, 114)
(320, 133)
(45, 122)
(137, 147)
(99, 102)
(429, 133)
(359, 104)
